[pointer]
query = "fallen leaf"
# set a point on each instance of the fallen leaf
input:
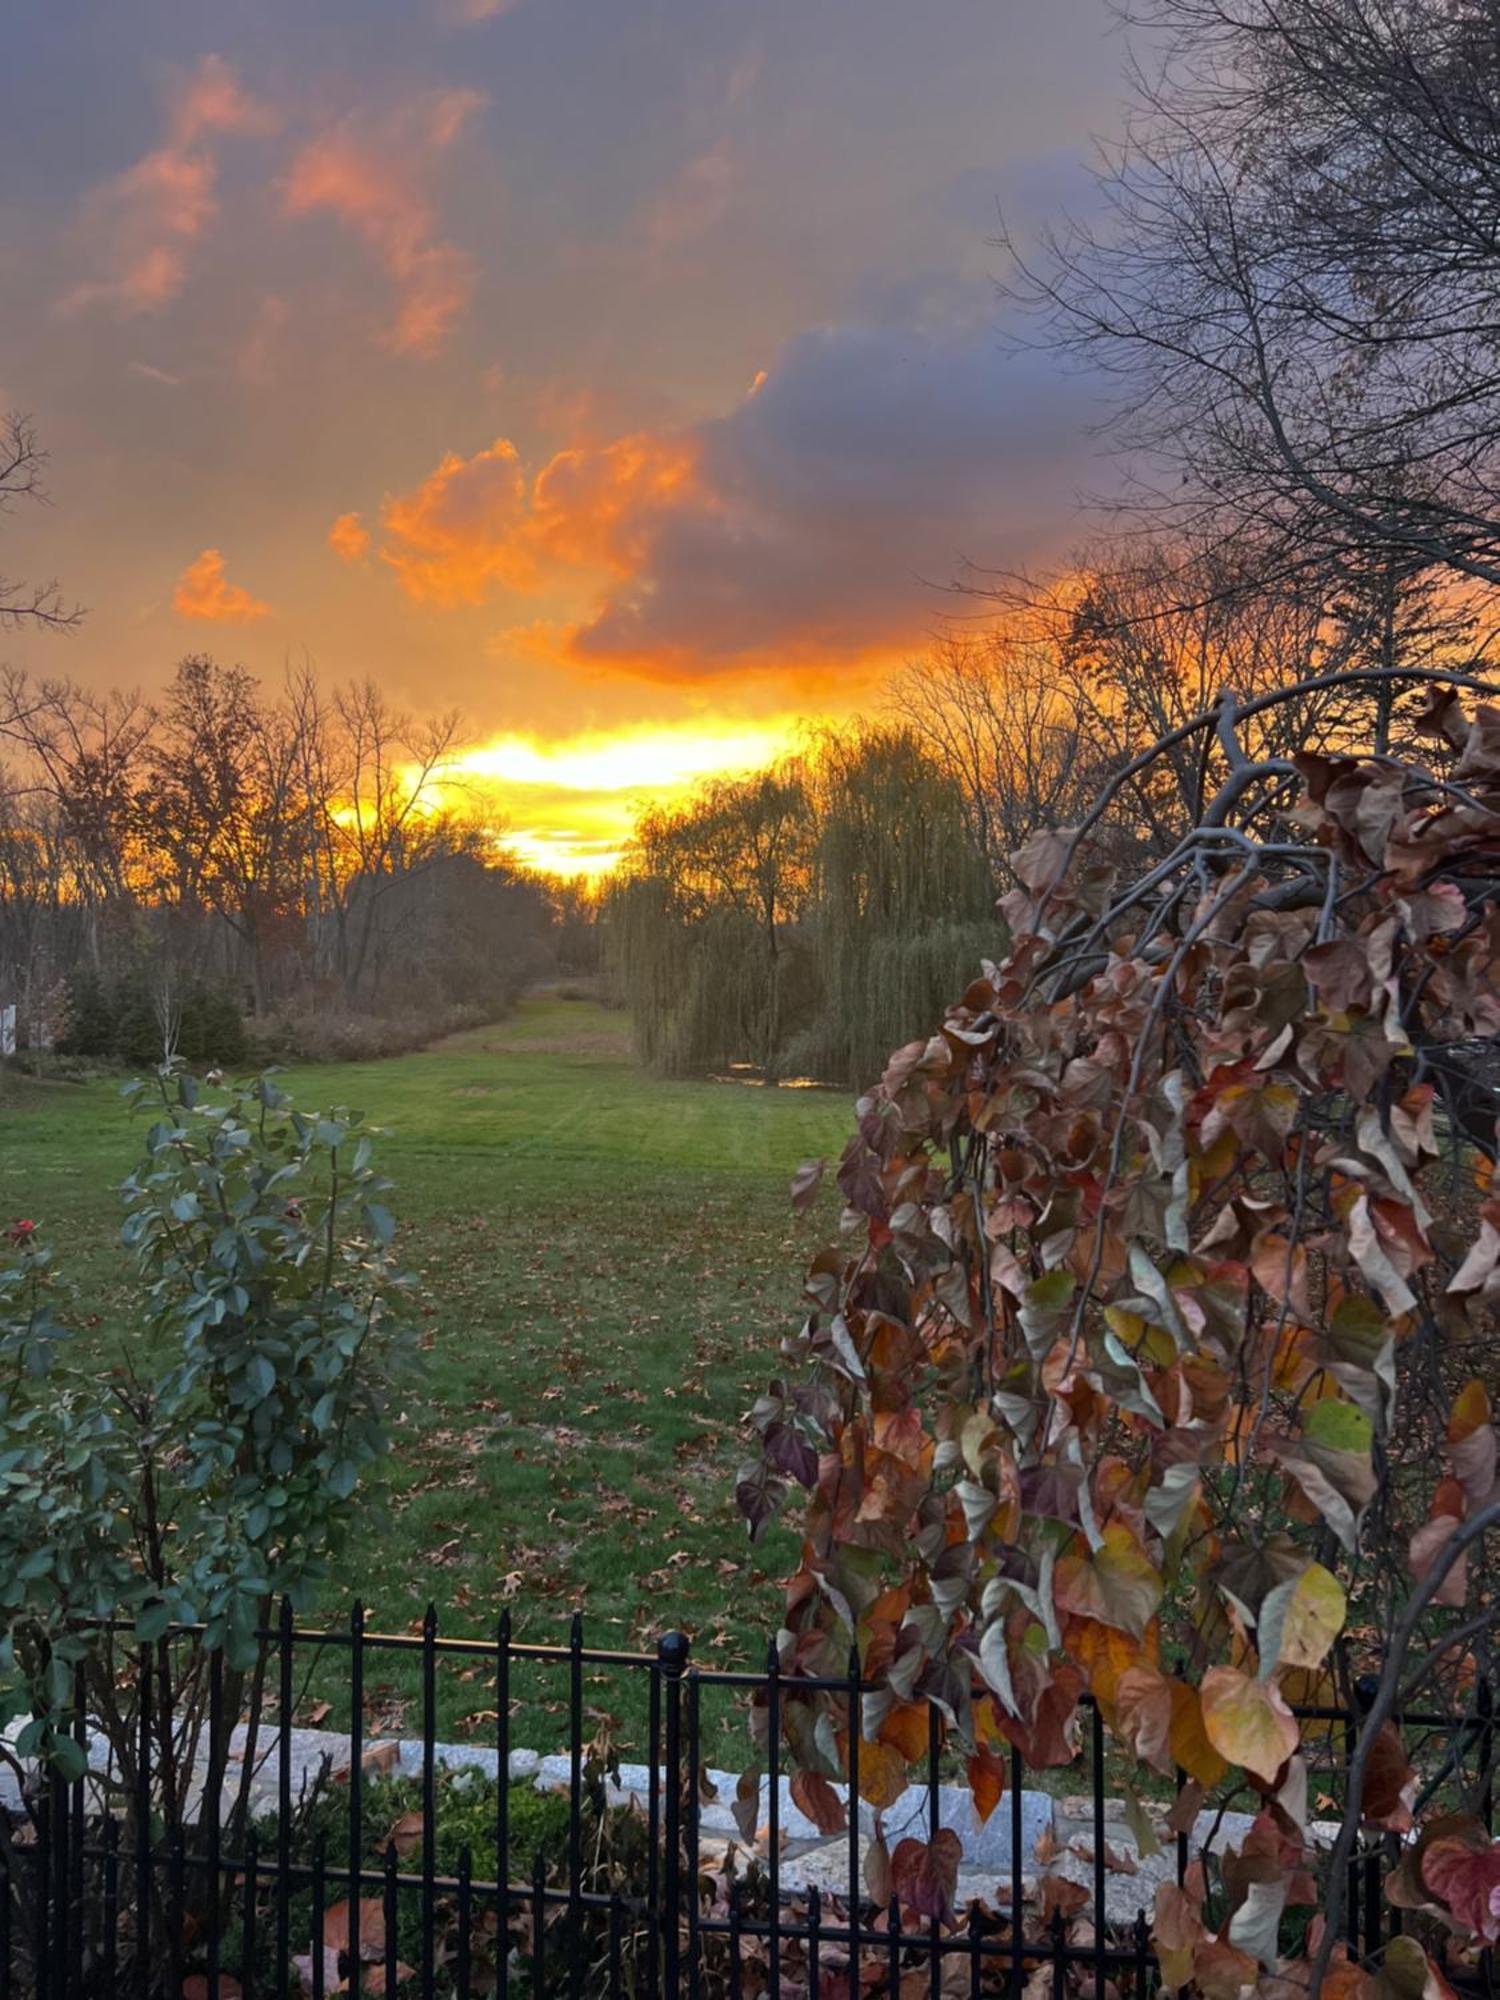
(371, 1929)
(1060, 1897)
(406, 1834)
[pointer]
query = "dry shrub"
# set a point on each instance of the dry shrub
(336, 1034)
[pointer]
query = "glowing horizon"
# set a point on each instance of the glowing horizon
(566, 805)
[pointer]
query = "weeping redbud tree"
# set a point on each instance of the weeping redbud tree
(1155, 1358)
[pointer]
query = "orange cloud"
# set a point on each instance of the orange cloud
(357, 179)
(349, 537)
(453, 538)
(204, 591)
(592, 506)
(813, 531)
(144, 222)
(476, 524)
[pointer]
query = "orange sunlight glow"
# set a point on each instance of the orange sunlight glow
(566, 806)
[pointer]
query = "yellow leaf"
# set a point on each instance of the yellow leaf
(1471, 1408)
(1105, 1653)
(1300, 1619)
(1190, 1746)
(1247, 1721)
(882, 1774)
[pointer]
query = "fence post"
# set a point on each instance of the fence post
(773, 1812)
(1485, 1702)
(856, 1730)
(736, 1973)
(109, 1942)
(79, 1817)
(356, 1845)
(575, 1807)
(1365, 1690)
(61, 1925)
(654, 1924)
(209, 1809)
(1096, 1755)
(284, 1700)
(934, 1825)
(502, 1801)
(429, 1799)
(691, 1807)
(671, 1659)
(42, 1947)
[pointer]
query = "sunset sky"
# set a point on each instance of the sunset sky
(627, 373)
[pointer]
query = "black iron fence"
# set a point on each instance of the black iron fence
(213, 1847)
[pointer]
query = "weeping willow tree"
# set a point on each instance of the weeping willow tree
(703, 924)
(902, 899)
(803, 919)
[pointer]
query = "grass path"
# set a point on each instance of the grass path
(607, 1263)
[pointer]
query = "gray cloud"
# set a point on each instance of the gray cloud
(835, 504)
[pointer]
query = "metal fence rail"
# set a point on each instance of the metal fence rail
(103, 1893)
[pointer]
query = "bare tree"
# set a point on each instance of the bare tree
(22, 462)
(83, 752)
(38, 911)
(996, 709)
(384, 822)
(1298, 277)
(235, 849)
(1081, 670)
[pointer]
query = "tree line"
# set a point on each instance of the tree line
(167, 867)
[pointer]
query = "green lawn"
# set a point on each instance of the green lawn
(607, 1263)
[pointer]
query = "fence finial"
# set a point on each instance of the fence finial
(672, 1650)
